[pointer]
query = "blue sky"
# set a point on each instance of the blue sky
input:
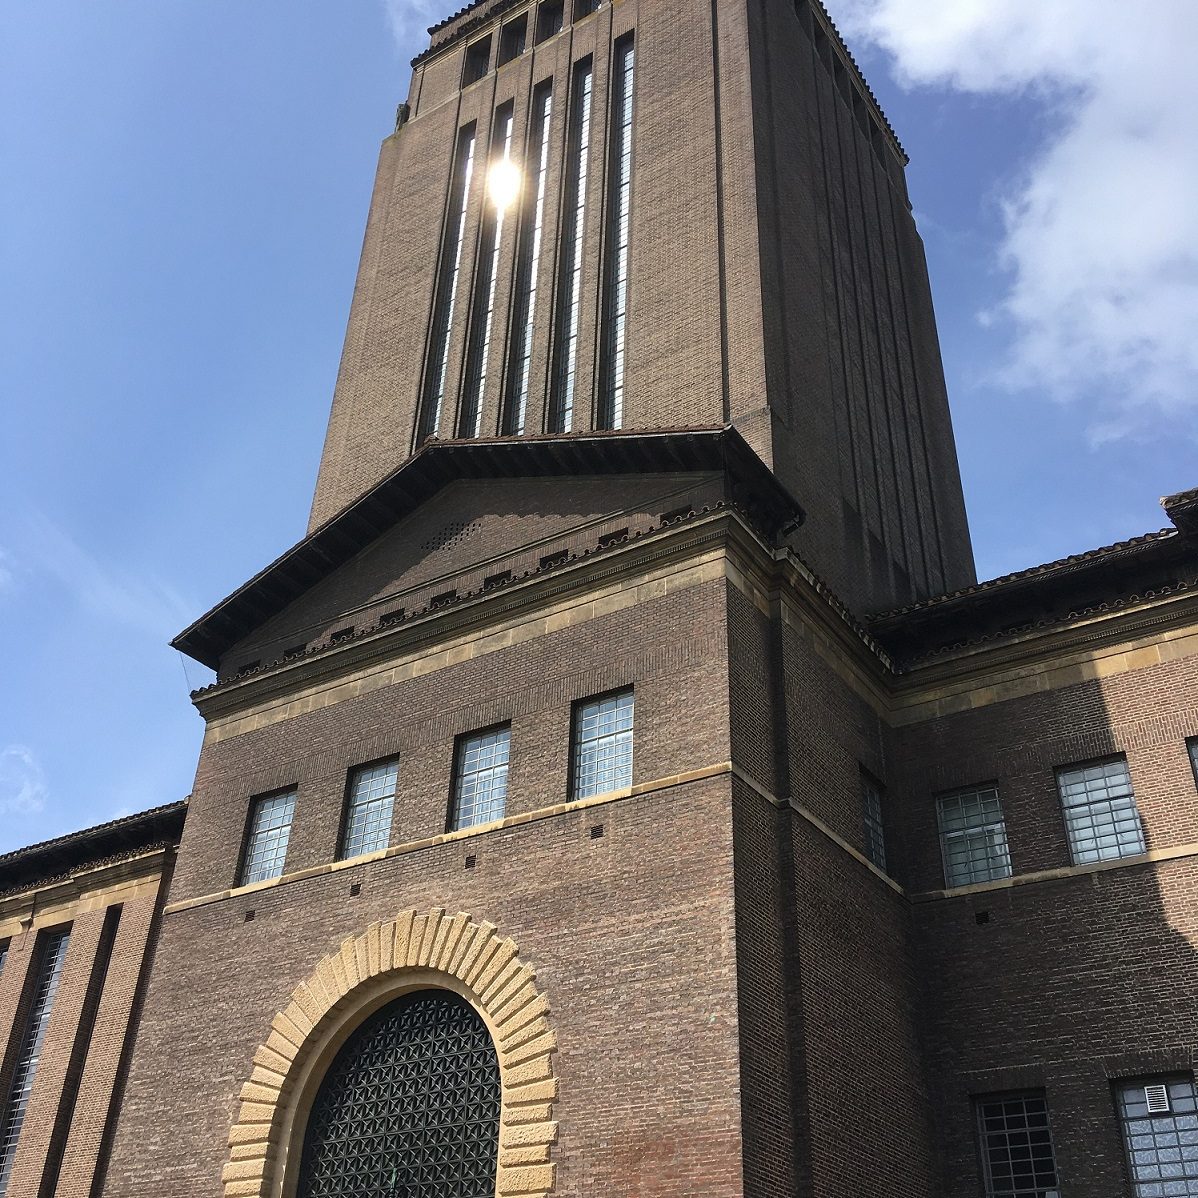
(183, 190)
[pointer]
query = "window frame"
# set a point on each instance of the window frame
(1079, 767)
(248, 832)
(576, 710)
(1142, 1081)
(460, 742)
(980, 1138)
(347, 804)
(960, 793)
(1192, 753)
(870, 785)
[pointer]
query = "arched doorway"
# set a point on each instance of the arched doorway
(409, 1106)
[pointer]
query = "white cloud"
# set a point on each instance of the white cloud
(1101, 232)
(22, 782)
(409, 19)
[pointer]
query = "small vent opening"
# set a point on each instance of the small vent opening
(550, 560)
(1157, 1099)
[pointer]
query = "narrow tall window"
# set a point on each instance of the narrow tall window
(619, 206)
(973, 837)
(369, 805)
(266, 842)
(437, 366)
(3, 954)
(480, 789)
(1192, 744)
(502, 180)
(53, 952)
(1016, 1142)
(1159, 1117)
(1100, 811)
(602, 745)
(528, 264)
(569, 284)
(871, 814)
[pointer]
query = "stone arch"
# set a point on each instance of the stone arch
(412, 951)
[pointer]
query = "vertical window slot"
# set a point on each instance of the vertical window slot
(569, 294)
(437, 367)
(619, 208)
(528, 264)
(502, 178)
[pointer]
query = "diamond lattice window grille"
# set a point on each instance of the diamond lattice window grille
(409, 1107)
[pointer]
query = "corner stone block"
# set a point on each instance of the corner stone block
(255, 1092)
(387, 946)
(456, 929)
(244, 1170)
(403, 934)
(247, 1188)
(373, 944)
(349, 963)
(482, 945)
(530, 1133)
(534, 1070)
(412, 956)
(268, 1058)
(540, 1047)
(531, 1179)
(533, 1154)
(532, 1090)
(251, 1133)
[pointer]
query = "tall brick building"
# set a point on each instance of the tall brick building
(625, 787)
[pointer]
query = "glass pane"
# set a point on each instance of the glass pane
(270, 829)
(1016, 1142)
(1162, 1148)
(12, 1116)
(875, 832)
(1100, 811)
(481, 795)
(371, 801)
(603, 745)
(973, 837)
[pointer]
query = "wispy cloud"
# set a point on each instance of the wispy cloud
(1101, 231)
(116, 594)
(7, 570)
(23, 789)
(409, 19)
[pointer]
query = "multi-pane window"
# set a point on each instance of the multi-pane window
(602, 745)
(53, 952)
(973, 837)
(871, 814)
(528, 265)
(370, 801)
(266, 842)
(569, 287)
(1160, 1129)
(1100, 811)
(619, 205)
(1192, 744)
(1016, 1144)
(3, 954)
(502, 180)
(437, 366)
(480, 789)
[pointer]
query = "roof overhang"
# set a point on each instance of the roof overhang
(439, 463)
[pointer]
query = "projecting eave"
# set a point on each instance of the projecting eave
(439, 463)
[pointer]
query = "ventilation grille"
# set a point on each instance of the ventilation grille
(1157, 1098)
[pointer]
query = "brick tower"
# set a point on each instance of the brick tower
(707, 224)
(571, 818)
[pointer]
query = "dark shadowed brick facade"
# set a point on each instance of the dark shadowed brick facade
(710, 977)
